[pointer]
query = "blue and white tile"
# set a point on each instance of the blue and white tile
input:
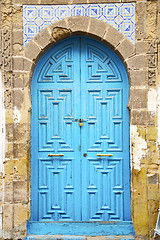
(119, 15)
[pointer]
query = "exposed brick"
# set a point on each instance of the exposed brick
(20, 132)
(141, 20)
(17, 50)
(27, 78)
(19, 232)
(8, 79)
(9, 150)
(20, 150)
(20, 214)
(81, 1)
(139, 117)
(151, 77)
(7, 216)
(21, 169)
(8, 192)
(9, 132)
(152, 156)
(20, 191)
(126, 48)
(59, 33)
(137, 62)
(152, 47)
(59, 30)
(24, 1)
(32, 50)
(138, 98)
(59, 24)
(97, 28)
(152, 60)
(78, 24)
(18, 80)
(8, 169)
(152, 133)
(158, 25)
(141, 47)
(18, 98)
(43, 38)
(138, 78)
(54, 2)
(17, 17)
(113, 37)
(153, 192)
(151, 18)
(150, 118)
(140, 202)
(153, 213)
(28, 64)
(17, 63)
(18, 37)
(8, 101)
(153, 179)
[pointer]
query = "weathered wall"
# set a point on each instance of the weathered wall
(144, 71)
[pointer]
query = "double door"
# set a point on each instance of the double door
(80, 134)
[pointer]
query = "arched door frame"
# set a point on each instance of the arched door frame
(85, 26)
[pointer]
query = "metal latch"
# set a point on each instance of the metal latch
(80, 122)
(55, 155)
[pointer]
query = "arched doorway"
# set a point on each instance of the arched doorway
(80, 134)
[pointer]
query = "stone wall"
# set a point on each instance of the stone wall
(142, 62)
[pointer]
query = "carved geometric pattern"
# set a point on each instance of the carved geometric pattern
(104, 109)
(6, 54)
(55, 106)
(55, 184)
(104, 189)
(151, 77)
(99, 67)
(59, 67)
(75, 187)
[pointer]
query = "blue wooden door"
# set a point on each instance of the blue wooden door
(80, 173)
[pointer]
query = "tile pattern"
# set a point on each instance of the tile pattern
(119, 15)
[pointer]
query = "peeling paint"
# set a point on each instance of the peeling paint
(16, 115)
(152, 97)
(139, 147)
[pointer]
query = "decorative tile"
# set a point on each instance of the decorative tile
(119, 15)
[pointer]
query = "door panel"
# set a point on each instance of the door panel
(104, 94)
(80, 78)
(55, 185)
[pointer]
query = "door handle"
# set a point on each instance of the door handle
(56, 155)
(104, 155)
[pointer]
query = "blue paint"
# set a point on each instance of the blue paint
(53, 237)
(79, 78)
(70, 237)
(81, 228)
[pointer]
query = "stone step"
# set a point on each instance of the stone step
(113, 228)
(70, 237)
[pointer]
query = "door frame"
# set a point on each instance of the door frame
(121, 71)
(125, 49)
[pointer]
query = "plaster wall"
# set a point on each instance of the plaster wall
(17, 64)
